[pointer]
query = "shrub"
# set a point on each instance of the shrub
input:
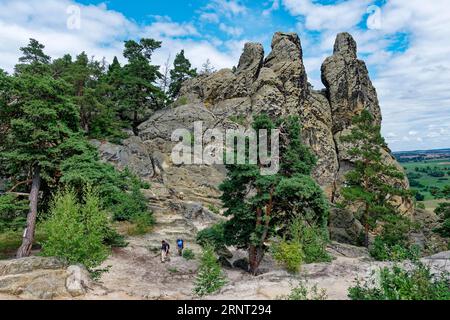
(142, 223)
(76, 231)
(132, 205)
(289, 254)
(392, 243)
(119, 191)
(401, 284)
(303, 292)
(443, 212)
(188, 254)
(313, 241)
(213, 209)
(210, 277)
(213, 236)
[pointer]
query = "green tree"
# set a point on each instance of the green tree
(443, 212)
(138, 91)
(366, 183)
(257, 204)
(446, 192)
(210, 277)
(181, 72)
(35, 123)
(77, 230)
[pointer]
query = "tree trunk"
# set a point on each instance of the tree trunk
(28, 235)
(135, 123)
(255, 256)
(366, 225)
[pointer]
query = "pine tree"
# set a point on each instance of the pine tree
(181, 72)
(257, 204)
(139, 92)
(366, 183)
(35, 122)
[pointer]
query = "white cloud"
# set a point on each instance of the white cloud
(227, 8)
(274, 7)
(412, 84)
(232, 31)
(101, 34)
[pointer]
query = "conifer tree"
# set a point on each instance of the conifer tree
(138, 90)
(181, 72)
(35, 122)
(257, 204)
(366, 184)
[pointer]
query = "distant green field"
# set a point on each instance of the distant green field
(426, 180)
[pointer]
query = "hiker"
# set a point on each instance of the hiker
(165, 247)
(180, 244)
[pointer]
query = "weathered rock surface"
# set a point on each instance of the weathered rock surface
(277, 85)
(42, 278)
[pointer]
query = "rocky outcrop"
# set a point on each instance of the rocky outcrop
(280, 87)
(276, 85)
(42, 278)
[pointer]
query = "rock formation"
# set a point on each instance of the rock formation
(277, 85)
(42, 278)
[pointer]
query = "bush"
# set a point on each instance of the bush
(188, 254)
(443, 212)
(119, 191)
(401, 284)
(289, 254)
(77, 230)
(313, 241)
(13, 212)
(132, 205)
(303, 292)
(210, 277)
(392, 243)
(142, 223)
(214, 236)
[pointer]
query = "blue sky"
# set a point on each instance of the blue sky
(404, 43)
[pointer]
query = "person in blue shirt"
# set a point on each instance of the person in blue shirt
(180, 245)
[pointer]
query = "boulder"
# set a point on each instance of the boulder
(42, 278)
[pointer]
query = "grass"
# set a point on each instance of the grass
(431, 205)
(428, 181)
(10, 241)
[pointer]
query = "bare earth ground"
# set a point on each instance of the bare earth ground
(137, 273)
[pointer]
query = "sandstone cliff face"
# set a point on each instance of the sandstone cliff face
(277, 85)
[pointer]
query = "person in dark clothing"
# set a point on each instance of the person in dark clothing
(165, 249)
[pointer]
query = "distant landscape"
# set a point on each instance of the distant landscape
(428, 172)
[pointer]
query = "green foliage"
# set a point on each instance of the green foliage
(289, 254)
(13, 213)
(402, 284)
(392, 243)
(142, 223)
(443, 212)
(277, 198)
(313, 241)
(119, 191)
(366, 183)
(305, 292)
(77, 230)
(188, 254)
(137, 90)
(214, 236)
(181, 72)
(213, 209)
(210, 277)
